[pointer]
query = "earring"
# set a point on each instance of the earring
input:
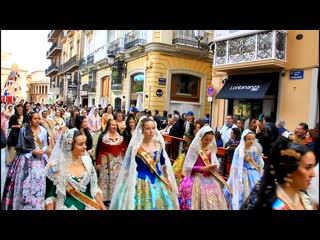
(288, 180)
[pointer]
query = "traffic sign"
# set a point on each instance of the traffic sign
(210, 91)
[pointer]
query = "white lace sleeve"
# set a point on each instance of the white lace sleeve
(93, 177)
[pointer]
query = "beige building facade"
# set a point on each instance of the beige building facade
(274, 73)
(38, 86)
(63, 71)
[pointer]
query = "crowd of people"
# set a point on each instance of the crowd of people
(86, 158)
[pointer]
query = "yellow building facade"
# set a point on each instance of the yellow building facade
(151, 69)
(284, 64)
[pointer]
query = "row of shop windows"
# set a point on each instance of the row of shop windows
(186, 88)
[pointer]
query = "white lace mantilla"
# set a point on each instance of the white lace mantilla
(107, 140)
(53, 172)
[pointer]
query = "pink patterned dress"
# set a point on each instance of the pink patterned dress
(201, 191)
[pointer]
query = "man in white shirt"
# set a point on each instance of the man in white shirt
(226, 129)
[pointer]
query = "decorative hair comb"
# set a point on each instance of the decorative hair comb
(290, 153)
(67, 139)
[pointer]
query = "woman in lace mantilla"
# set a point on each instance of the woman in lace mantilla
(246, 169)
(146, 180)
(199, 189)
(71, 177)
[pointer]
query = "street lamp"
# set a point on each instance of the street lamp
(119, 71)
(111, 58)
(119, 65)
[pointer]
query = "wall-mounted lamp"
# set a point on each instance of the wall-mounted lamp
(119, 71)
(117, 64)
(201, 35)
(224, 80)
(111, 58)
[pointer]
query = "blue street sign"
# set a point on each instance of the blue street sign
(296, 74)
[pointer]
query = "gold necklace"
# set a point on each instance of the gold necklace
(148, 144)
(293, 203)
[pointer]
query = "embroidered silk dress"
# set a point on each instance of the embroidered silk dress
(151, 193)
(201, 191)
(26, 182)
(250, 176)
(110, 157)
(57, 182)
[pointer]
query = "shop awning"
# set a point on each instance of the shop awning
(244, 89)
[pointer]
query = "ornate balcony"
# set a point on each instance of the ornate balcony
(115, 46)
(54, 50)
(82, 63)
(90, 59)
(53, 35)
(71, 64)
(187, 38)
(263, 49)
(134, 38)
(53, 69)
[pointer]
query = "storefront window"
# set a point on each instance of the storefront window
(244, 109)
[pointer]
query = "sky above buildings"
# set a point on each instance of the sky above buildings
(28, 48)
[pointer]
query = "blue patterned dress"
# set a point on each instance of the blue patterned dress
(250, 176)
(151, 192)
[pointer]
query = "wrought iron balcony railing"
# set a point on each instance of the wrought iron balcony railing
(90, 59)
(187, 38)
(134, 38)
(53, 50)
(71, 63)
(115, 46)
(52, 69)
(82, 63)
(53, 35)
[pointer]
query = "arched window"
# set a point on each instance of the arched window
(117, 104)
(137, 83)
